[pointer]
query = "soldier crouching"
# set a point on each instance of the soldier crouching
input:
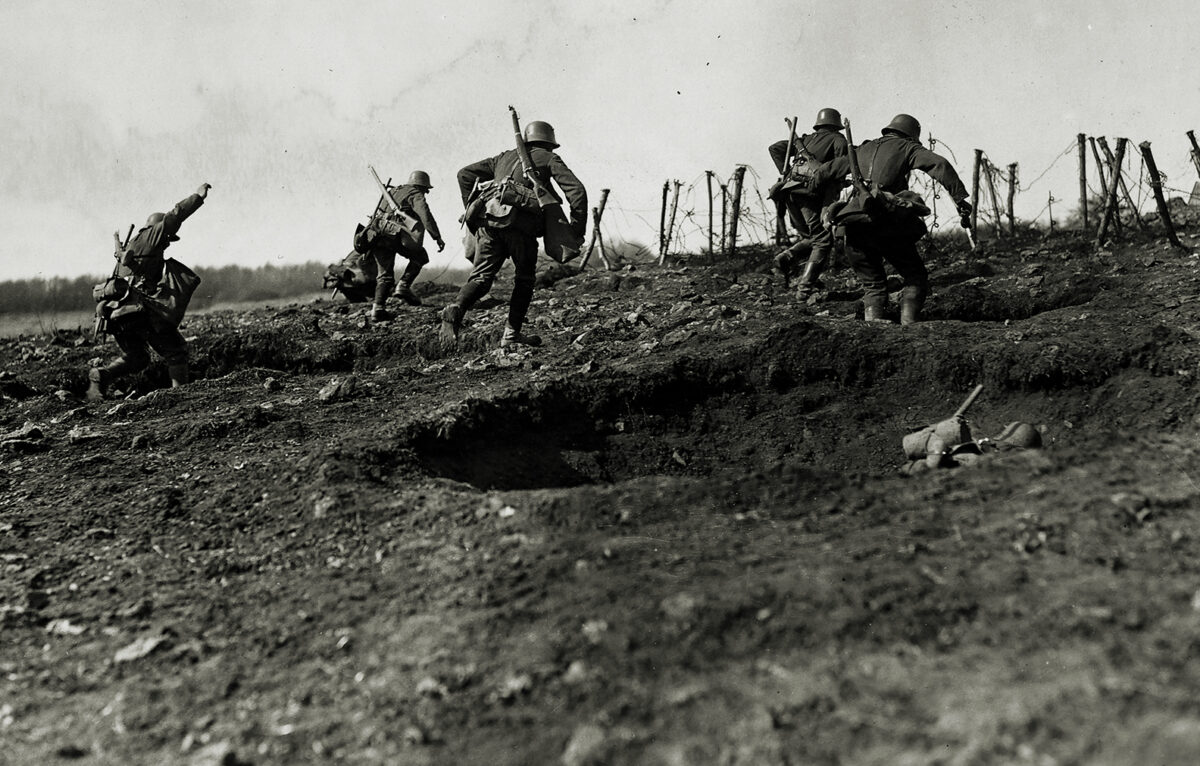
(142, 308)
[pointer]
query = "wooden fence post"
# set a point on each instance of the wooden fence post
(1110, 205)
(708, 174)
(662, 258)
(975, 191)
(737, 206)
(1099, 169)
(597, 213)
(1191, 134)
(1117, 177)
(1083, 211)
(991, 182)
(1156, 183)
(1050, 209)
(662, 223)
(1012, 193)
(724, 216)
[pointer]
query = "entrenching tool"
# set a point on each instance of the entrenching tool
(932, 442)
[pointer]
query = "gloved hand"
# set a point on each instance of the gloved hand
(441, 245)
(202, 192)
(964, 211)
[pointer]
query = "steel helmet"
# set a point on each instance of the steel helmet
(155, 218)
(540, 131)
(905, 125)
(419, 178)
(828, 118)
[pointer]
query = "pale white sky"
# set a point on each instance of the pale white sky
(114, 110)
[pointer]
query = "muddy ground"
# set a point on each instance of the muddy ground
(676, 534)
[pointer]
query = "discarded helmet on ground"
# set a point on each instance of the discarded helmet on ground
(420, 178)
(540, 131)
(1019, 435)
(905, 125)
(828, 118)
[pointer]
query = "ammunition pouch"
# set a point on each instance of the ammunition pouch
(902, 215)
(496, 204)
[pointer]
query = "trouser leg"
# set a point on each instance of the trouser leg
(523, 250)
(170, 345)
(385, 275)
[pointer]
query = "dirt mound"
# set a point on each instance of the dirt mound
(676, 533)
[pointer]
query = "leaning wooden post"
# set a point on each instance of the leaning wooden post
(724, 216)
(1117, 178)
(597, 212)
(1110, 205)
(1156, 183)
(1099, 169)
(975, 190)
(1191, 134)
(1083, 179)
(737, 205)
(708, 174)
(598, 237)
(991, 182)
(1012, 193)
(1050, 209)
(662, 222)
(662, 258)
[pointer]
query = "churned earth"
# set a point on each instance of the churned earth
(675, 534)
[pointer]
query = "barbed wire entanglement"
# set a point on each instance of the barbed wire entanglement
(698, 215)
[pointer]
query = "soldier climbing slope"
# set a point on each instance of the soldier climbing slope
(883, 219)
(143, 304)
(398, 228)
(505, 215)
(804, 201)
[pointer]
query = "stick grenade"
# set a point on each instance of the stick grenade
(737, 205)
(1012, 193)
(1156, 183)
(1110, 206)
(596, 213)
(1083, 211)
(662, 223)
(708, 174)
(991, 182)
(1191, 134)
(975, 191)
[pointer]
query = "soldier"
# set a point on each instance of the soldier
(136, 327)
(886, 163)
(804, 207)
(510, 227)
(383, 240)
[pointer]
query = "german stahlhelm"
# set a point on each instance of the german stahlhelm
(828, 118)
(905, 125)
(419, 178)
(541, 132)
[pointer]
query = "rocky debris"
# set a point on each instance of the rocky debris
(338, 389)
(142, 647)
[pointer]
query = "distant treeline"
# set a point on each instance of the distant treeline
(224, 284)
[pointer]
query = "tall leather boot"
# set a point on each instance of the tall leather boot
(404, 289)
(810, 281)
(911, 301)
(179, 374)
(873, 308)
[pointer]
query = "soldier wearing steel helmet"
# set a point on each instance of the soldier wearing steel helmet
(886, 163)
(383, 245)
(815, 244)
(135, 324)
(509, 225)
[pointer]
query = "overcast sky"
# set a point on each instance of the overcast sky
(114, 110)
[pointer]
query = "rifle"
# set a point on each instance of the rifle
(407, 222)
(101, 325)
(545, 197)
(856, 177)
(777, 187)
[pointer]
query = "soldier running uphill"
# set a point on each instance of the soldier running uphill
(804, 202)
(141, 317)
(399, 230)
(504, 214)
(891, 234)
